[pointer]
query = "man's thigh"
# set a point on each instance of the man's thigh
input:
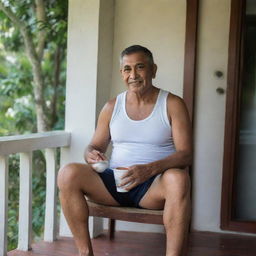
(84, 177)
(171, 182)
(154, 197)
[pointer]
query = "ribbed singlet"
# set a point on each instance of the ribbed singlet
(140, 141)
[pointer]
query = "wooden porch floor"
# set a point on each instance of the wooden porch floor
(146, 244)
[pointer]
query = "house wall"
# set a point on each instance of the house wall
(165, 35)
(213, 41)
(160, 26)
(213, 38)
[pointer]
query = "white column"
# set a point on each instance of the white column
(82, 65)
(25, 203)
(50, 224)
(89, 64)
(3, 204)
(95, 226)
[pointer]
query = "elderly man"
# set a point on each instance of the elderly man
(151, 135)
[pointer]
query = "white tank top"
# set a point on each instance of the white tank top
(140, 141)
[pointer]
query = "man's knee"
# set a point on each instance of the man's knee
(69, 175)
(176, 180)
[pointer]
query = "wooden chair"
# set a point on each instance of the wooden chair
(124, 213)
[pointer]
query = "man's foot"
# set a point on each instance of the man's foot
(87, 253)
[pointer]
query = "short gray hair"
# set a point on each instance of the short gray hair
(137, 48)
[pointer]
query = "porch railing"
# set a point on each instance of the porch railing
(25, 145)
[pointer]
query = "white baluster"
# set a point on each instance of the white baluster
(50, 226)
(25, 205)
(3, 204)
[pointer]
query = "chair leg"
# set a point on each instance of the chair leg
(111, 228)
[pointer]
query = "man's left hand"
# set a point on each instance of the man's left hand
(136, 175)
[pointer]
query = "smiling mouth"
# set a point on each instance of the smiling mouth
(135, 82)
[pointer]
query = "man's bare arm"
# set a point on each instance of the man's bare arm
(182, 136)
(101, 138)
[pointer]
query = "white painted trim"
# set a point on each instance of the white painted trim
(95, 226)
(25, 205)
(3, 204)
(50, 225)
(30, 142)
(89, 63)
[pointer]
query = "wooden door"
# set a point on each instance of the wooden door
(238, 211)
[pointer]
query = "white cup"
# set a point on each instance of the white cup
(118, 173)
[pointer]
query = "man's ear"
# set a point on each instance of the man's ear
(154, 70)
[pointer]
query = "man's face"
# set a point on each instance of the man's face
(137, 72)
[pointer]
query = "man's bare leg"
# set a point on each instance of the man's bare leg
(176, 216)
(171, 191)
(75, 181)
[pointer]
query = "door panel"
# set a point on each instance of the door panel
(239, 167)
(245, 185)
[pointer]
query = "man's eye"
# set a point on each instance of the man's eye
(127, 69)
(140, 66)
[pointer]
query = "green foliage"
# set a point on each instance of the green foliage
(17, 113)
(16, 74)
(55, 25)
(17, 106)
(13, 202)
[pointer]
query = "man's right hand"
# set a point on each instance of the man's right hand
(95, 156)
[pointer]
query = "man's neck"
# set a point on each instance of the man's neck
(143, 97)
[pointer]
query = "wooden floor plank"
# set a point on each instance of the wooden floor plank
(146, 244)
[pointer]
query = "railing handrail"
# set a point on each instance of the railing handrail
(25, 145)
(34, 141)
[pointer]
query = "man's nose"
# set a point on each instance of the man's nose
(133, 74)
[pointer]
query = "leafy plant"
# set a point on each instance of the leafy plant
(18, 107)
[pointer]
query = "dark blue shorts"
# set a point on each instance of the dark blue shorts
(131, 198)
